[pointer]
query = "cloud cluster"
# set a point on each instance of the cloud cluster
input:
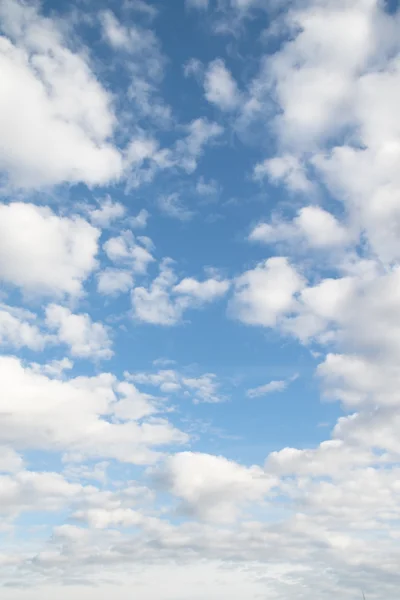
(134, 499)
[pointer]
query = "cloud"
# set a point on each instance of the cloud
(199, 4)
(137, 52)
(84, 338)
(202, 388)
(112, 282)
(145, 159)
(213, 487)
(203, 291)
(125, 249)
(165, 301)
(172, 206)
(207, 188)
(43, 253)
(287, 169)
(140, 220)
(220, 87)
(10, 461)
(108, 212)
(18, 330)
(269, 388)
(40, 413)
(68, 107)
(263, 294)
(313, 225)
(189, 149)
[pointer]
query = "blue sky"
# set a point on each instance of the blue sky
(199, 299)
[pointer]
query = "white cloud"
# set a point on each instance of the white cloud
(68, 108)
(188, 150)
(17, 329)
(144, 63)
(213, 487)
(28, 491)
(108, 212)
(202, 388)
(312, 76)
(124, 249)
(165, 301)
(204, 291)
(54, 368)
(287, 169)
(44, 253)
(154, 305)
(266, 293)
(133, 39)
(112, 282)
(84, 338)
(207, 188)
(82, 416)
(313, 225)
(172, 206)
(140, 221)
(10, 461)
(145, 158)
(220, 87)
(267, 388)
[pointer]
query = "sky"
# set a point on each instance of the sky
(199, 299)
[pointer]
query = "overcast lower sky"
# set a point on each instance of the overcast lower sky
(199, 299)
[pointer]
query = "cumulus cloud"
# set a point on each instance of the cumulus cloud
(18, 329)
(40, 412)
(219, 86)
(314, 226)
(43, 253)
(263, 294)
(84, 338)
(213, 487)
(165, 301)
(112, 282)
(126, 249)
(107, 213)
(287, 169)
(68, 107)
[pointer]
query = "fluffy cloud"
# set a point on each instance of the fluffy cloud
(262, 295)
(85, 338)
(220, 87)
(17, 329)
(125, 249)
(165, 301)
(10, 461)
(43, 253)
(212, 487)
(68, 108)
(112, 282)
(108, 212)
(40, 412)
(316, 227)
(287, 169)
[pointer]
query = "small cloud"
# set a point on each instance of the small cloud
(270, 388)
(172, 206)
